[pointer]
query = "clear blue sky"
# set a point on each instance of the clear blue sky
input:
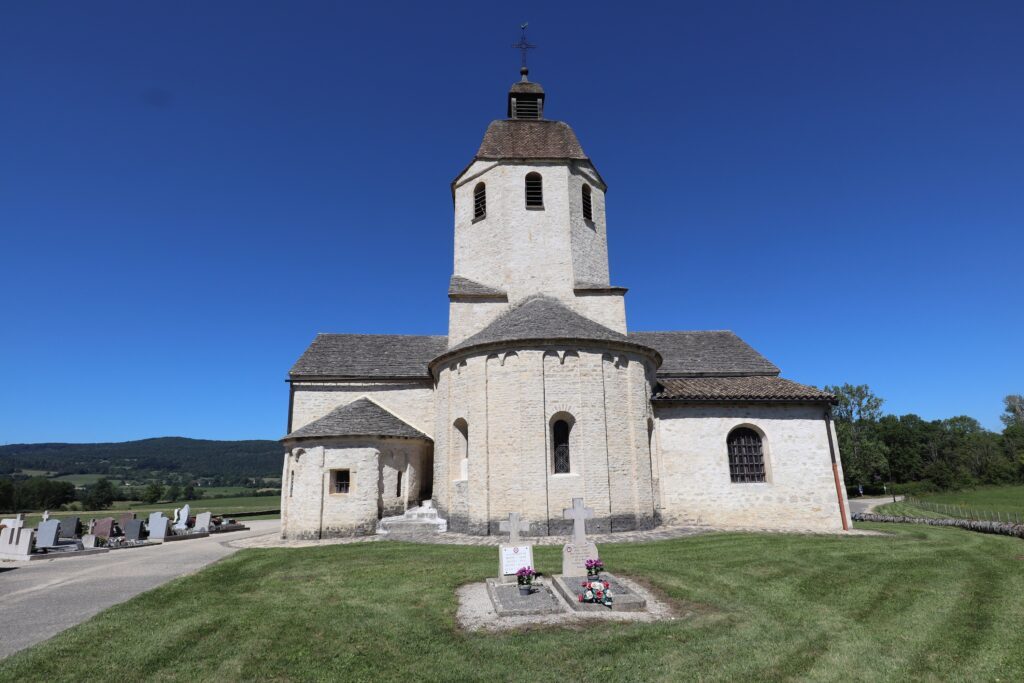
(190, 191)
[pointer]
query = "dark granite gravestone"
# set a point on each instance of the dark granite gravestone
(70, 527)
(133, 531)
(48, 534)
(104, 527)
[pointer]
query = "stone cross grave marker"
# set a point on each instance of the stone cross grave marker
(46, 515)
(515, 554)
(181, 523)
(48, 533)
(157, 526)
(203, 521)
(70, 527)
(133, 530)
(578, 550)
(16, 542)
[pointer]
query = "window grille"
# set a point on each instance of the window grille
(560, 440)
(479, 201)
(588, 209)
(746, 456)
(534, 191)
(341, 481)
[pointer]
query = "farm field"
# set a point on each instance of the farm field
(994, 498)
(919, 603)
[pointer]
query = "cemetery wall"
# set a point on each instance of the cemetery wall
(412, 401)
(693, 464)
(508, 402)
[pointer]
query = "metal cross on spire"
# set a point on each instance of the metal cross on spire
(523, 45)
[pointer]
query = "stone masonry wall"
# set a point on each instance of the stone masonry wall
(410, 400)
(693, 464)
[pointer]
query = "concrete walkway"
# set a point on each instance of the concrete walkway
(40, 599)
(869, 504)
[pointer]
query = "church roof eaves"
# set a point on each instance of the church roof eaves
(542, 319)
(368, 356)
(362, 417)
(749, 388)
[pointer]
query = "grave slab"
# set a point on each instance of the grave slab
(623, 599)
(509, 603)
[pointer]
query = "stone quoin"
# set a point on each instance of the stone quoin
(539, 393)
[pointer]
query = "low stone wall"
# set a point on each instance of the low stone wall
(982, 526)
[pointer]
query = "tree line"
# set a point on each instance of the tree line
(920, 455)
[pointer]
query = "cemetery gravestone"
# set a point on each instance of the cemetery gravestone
(158, 526)
(16, 542)
(514, 555)
(48, 533)
(203, 521)
(133, 531)
(181, 523)
(104, 527)
(90, 541)
(70, 527)
(577, 551)
(124, 519)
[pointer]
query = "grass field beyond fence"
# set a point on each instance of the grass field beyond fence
(996, 503)
(919, 603)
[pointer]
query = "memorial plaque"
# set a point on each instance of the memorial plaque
(515, 557)
(133, 531)
(48, 533)
(104, 527)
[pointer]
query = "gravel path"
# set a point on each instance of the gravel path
(40, 599)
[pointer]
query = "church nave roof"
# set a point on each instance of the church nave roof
(753, 388)
(361, 356)
(362, 417)
(698, 353)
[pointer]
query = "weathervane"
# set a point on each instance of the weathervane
(523, 45)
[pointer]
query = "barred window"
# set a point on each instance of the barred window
(534, 191)
(479, 200)
(560, 441)
(340, 481)
(588, 209)
(746, 457)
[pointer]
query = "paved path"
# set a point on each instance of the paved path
(40, 599)
(869, 504)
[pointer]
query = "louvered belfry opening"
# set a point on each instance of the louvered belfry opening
(746, 456)
(526, 107)
(534, 191)
(479, 201)
(588, 209)
(560, 441)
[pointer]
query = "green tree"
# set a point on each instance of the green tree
(152, 493)
(190, 492)
(863, 452)
(1013, 410)
(173, 492)
(99, 496)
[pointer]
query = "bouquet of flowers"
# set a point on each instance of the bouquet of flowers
(594, 567)
(596, 592)
(524, 577)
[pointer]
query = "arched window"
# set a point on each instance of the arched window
(560, 442)
(460, 450)
(588, 208)
(534, 191)
(479, 200)
(746, 456)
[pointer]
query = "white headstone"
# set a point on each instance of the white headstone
(203, 521)
(515, 554)
(576, 553)
(182, 522)
(16, 542)
(157, 526)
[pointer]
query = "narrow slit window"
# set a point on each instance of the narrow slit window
(560, 441)
(341, 481)
(588, 207)
(398, 488)
(534, 191)
(746, 456)
(479, 201)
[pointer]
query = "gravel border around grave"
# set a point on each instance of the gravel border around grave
(476, 612)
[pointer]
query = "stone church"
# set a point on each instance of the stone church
(539, 393)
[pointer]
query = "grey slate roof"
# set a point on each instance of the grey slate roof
(362, 417)
(527, 87)
(700, 353)
(756, 388)
(529, 139)
(541, 317)
(378, 356)
(460, 286)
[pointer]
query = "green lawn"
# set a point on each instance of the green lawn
(907, 510)
(922, 603)
(995, 498)
(218, 506)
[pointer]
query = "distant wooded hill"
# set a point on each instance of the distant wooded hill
(224, 460)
